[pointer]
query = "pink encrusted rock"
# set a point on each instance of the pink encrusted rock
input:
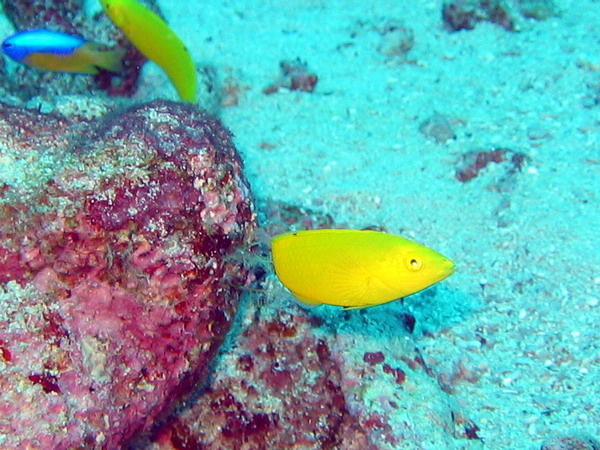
(277, 387)
(116, 271)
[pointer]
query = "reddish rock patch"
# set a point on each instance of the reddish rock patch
(117, 282)
(285, 393)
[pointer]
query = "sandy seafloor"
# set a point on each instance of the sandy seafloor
(526, 244)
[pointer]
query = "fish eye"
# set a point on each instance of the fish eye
(413, 263)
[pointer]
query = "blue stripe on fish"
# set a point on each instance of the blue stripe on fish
(20, 45)
(57, 51)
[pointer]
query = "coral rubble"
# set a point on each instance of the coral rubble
(281, 389)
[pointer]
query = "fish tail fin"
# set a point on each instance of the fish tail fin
(111, 60)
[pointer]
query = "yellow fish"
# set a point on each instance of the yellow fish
(156, 41)
(354, 268)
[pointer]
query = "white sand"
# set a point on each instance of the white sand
(353, 149)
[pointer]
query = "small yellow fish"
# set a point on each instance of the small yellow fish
(354, 268)
(156, 41)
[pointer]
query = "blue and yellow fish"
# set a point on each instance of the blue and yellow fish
(57, 51)
(354, 268)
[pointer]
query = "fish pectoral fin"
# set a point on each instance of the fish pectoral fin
(306, 302)
(375, 284)
(376, 291)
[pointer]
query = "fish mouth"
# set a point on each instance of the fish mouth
(446, 268)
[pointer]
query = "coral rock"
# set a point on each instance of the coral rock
(279, 387)
(116, 275)
(296, 77)
(465, 14)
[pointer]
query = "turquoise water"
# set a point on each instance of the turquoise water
(481, 144)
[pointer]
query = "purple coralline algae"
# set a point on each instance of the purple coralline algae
(117, 280)
(281, 389)
(295, 77)
(466, 14)
(473, 162)
(63, 15)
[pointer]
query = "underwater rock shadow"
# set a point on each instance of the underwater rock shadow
(426, 312)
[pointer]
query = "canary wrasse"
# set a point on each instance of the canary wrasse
(354, 268)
